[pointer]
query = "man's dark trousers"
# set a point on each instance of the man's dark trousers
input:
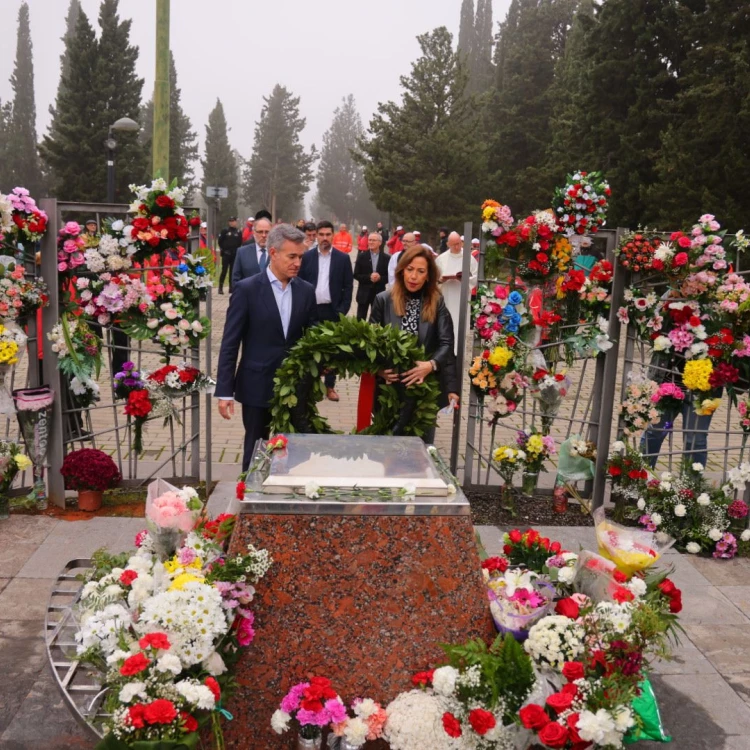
(256, 422)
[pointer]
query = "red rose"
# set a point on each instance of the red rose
(188, 722)
(568, 608)
(160, 711)
(554, 735)
(127, 577)
(451, 725)
(422, 678)
(155, 640)
(533, 716)
(614, 471)
(481, 721)
(675, 604)
(194, 221)
(667, 587)
(495, 563)
(570, 689)
(164, 201)
(622, 595)
(573, 670)
(134, 664)
(683, 242)
(515, 536)
(679, 260)
(560, 701)
(140, 224)
(555, 547)
(135, 716)
(213, 686)
(154, 240)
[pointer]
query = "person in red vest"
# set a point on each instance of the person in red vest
(342, 240)
(247, 231)
(362, 240)
(395, 245)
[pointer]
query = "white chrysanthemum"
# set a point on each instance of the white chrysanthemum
(365, 708)
(280, 721)
(745, 536)
(680, 510)
(102, 628)
(714, 535)
(593, 727)
(693, 548)
(623, 719)
(312, 490)
(566, 574)
(195, 693)
(169, 663)
(132, 690)
(637, 586)
(656, 519)
(703, 499)
(641, 503)
(554, 640)
(444, 680)
(697, 467)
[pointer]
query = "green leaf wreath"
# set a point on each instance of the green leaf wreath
(352, 347)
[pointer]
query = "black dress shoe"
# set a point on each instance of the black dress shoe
(221, 291)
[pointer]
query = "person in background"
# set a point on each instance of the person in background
(415, 305)
(264, 214)
(383, 232)
(230, 239)
(395, 244)
(91, 229)
(443, 240)
(203, 235)
(268, 313)
(371, 272)
(408, 241)
(363, 240)
(252, 258)
(330, 272)
(450, 266)
(301, 225)
(311, 236)
(418, 237)
(247, 231)
(342, 240)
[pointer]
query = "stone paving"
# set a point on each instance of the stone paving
(704, 692)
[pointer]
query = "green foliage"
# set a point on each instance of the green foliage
(424, 159)
(352, 347)
(99, 87)
(19, 162)
(481, 69)
(220, 164)
(188, 742)
(183, 140)
(507, 671)
(280, 170)
(104, 562)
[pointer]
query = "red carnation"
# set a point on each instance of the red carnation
(668, 588)
(515, 536)
(134, 664)
(451, 725)
(554, 735)
(189, 722)
(194, 221)
(614, 471)
(140, 224)
(135, 716)
(533, 716)
(213, 686)
(568, 608)
(139, 404)
(155, 640)
(495, 563)
(619, 576)
(164, 201)
(481, 721)
(675, 604)
(241, 490)
(622, 595)
(573, 670)
(555, 547)
(160, 711)
(560, 701)
(422, 678)
(127, 577)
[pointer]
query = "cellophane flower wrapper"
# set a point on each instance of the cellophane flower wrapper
(595, 576)
(630, 549)
(573, 468)
(167, 526)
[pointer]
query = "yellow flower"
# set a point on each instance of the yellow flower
(171, 565)
(22, 462)
(500, 356)
(505, 454)
(534, 444)
(707, 407)
(179, 583)
(8, 352)
(697, 374)
(558, 285)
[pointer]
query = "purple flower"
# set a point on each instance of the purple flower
(726, 547)
(128, 366)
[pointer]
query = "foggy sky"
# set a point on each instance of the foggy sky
(237, 50)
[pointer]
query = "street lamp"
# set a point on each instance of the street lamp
(124, 124)
(350, 204)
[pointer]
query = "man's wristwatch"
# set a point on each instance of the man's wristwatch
(434, 365)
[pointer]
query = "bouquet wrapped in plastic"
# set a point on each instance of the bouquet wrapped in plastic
(170, 514)
(629, 549)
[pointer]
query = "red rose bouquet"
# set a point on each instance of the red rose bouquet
(89, 469)
(581, 205)
(159, 222)
(637, 249)
(175, 381)
(22, 222)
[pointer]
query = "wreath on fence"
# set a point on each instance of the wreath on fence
(352, 347)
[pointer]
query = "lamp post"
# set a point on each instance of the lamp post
(124, 124)
(350, 206)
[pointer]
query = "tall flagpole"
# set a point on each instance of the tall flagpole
(160, 148)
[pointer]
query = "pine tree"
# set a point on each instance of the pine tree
(220, 165)
(338, 173)
(466, 31)
(424, 159)
(481, 69)
(704, 157)
(21, 162)
(280, 170)
(530, 44)
(183, 140)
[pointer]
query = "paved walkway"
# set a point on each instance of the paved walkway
(704, 693)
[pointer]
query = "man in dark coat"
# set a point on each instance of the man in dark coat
(330, 272)
(230, 238)
(267, 315)
(371, 272)
(252, 258)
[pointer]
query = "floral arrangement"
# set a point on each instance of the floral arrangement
(528, 549)
(12, 341)
(311, 706)
(137, 614)
(638, 408)
(78, 349)
(637, 250)
(498, 313)
(175, 381)
(537, 448)
(12, 460)
(626, 470)
(668, 399)
(71, 247)
(113, 251)
(192, 274)
(109, 297)
(367, 723)
(130, 385)
(496, 381)
(23, 222)
(642, 311)
(595, 293)
(581, 205)
(508, 461)
(582, 449)
(732, 297)
(89, 469)
(159, 222)
(170, 515)
(549, 389)
(496, 219)
(743, 409)
(518, 599)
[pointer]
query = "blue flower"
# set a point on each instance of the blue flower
(515, 319)
(200, 270)
(511, 327)
(182, 267)
(509, 310)
(515, 298)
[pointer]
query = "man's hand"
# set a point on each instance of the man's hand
(226, 408)
(374, 277)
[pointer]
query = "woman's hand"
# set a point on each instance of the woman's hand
(454, 397)
(417, 374)
(390, 376)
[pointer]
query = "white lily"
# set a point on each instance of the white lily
(518, 579)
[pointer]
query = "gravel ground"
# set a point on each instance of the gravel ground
(530, 511)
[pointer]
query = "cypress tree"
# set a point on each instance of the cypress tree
(424, 158)
(220, 165)
(183, 140)
(21, 165)
(279, 171)
(481, 70)
(466, 30)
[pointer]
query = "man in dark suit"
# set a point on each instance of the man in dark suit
(371, 272)
(330, 272)
(252, 258)
(230, 238)
(267, 315)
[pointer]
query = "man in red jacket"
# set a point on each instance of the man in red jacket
(395, 245)
(247, 231)
(362, 240)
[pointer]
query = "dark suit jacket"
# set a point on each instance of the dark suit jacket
(340, 279)
(253, 320)
(245, 263)
(367, 291)
(437, 339)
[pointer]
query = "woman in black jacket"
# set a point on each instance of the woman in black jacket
(414, 304)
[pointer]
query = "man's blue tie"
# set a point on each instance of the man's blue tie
(263, 259)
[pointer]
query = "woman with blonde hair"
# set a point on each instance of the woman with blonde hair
(414, 304)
